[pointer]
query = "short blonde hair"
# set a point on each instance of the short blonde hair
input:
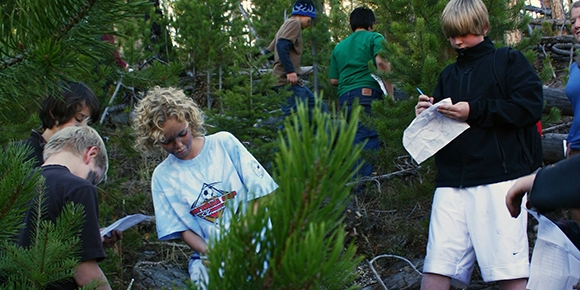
(160, 105)
(462, 17)
(78, 139)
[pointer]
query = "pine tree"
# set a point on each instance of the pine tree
(53, 253)
(41, 44)
(417, 48)
(296, 238)
(44, 42)
(204, 31)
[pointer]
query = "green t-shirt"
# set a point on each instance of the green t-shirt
(350, 61)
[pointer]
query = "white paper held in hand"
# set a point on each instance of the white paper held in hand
(126, 223)
(555, 259)
(431, 131)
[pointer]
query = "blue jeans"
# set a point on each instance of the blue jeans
(365, 97)
(299, 93)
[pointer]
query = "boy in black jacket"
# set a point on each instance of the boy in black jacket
(469, 218)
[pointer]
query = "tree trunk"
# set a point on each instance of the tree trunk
(515, 36)
(552, 147)
(557, 98)
(558, 10)
(547, 4)
(209, 101)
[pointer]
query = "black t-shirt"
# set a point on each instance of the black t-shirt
(62, 187)
(36, 142)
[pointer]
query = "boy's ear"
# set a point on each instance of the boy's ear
(91, 153)
(485, 30)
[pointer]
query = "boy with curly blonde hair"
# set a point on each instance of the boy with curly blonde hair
(202, 178)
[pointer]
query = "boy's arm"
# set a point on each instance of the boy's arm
(515, 194)
(333, 73)
(89, 271)
(283, 47)
(195, 242)
(524, 104)
(384, 66)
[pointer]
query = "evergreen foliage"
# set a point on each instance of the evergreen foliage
(250, 111)
(43, 42)
(417, 48)
(18, 184)
(203, 30)
(390, 120)
(296, 238)
(52, 255)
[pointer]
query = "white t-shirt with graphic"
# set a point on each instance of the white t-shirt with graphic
(195, 194)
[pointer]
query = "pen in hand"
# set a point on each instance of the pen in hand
(421, 92)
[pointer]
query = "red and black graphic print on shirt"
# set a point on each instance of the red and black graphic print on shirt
(213, 202)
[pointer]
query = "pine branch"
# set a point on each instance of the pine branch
(304, 248)
(75, 19)
(11, 61)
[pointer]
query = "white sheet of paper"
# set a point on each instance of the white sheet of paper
(431, 131)
(381, 83)
(126, 223)
(555, 260)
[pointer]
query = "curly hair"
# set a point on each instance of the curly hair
(160, 105)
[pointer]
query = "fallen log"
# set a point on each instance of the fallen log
(556, 97)
(552, 147)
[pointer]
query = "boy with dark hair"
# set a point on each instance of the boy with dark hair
(287, 48)
(469, 219)
(349, 69)
(76, 161)
(70, 105)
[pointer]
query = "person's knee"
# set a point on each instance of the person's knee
(432, 281)
(514, 284)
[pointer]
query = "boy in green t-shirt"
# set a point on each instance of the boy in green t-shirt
(349, 69)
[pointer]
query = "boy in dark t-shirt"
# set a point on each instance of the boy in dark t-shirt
(75, 162)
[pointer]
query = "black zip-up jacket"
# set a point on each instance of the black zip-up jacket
(489, 151)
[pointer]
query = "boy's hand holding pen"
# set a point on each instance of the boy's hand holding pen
(423, 103)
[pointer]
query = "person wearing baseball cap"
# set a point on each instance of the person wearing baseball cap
(287, 48)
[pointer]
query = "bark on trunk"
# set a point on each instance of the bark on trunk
(552, 147)
(557, 98)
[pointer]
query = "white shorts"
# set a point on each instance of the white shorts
(474, 222)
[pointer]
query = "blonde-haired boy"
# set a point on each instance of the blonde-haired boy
(75, 162)
(201, 178)
(469, 219)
